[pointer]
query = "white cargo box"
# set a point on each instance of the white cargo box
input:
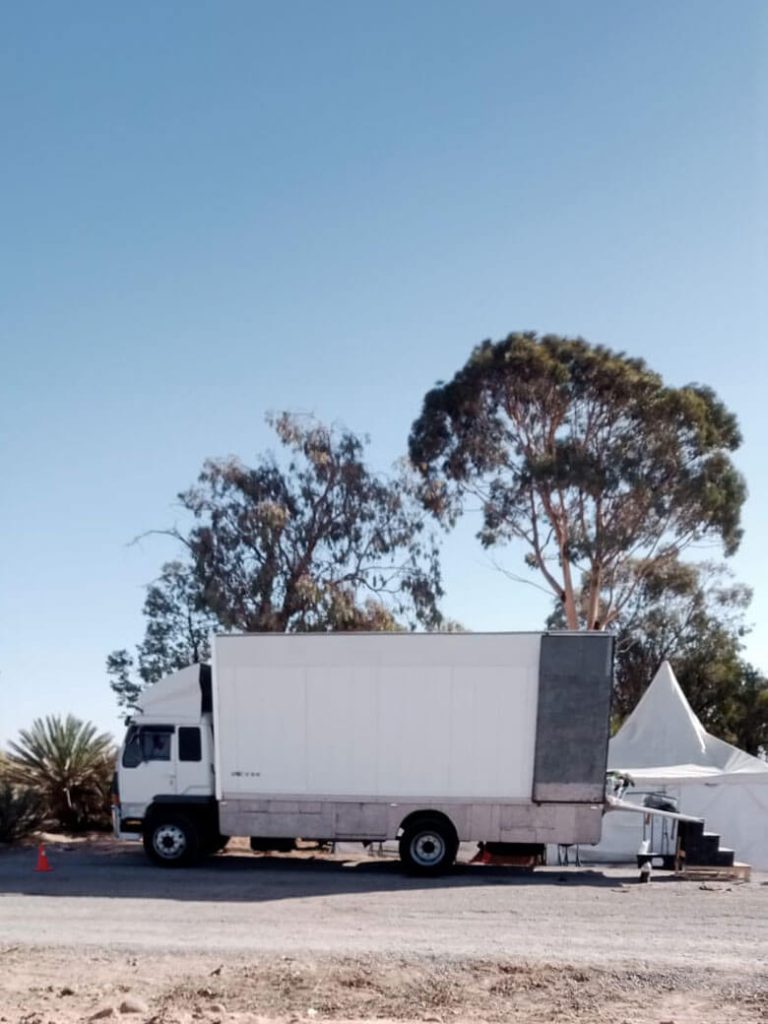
(378, 716)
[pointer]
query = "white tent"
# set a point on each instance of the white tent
(665, 748)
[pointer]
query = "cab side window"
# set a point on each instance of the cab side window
(190, 748)
(156, 742)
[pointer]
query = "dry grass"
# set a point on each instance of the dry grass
(430, 989)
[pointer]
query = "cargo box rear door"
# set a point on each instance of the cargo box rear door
(573, 722)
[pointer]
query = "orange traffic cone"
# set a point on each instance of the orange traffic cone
(42, 860)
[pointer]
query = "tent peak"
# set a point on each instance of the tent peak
(664, 732)
(662, 722)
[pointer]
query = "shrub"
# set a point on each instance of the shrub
(21, 812)
(69, 766)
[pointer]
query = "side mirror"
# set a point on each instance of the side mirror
(132, 754)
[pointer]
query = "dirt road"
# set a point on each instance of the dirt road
(243, 936)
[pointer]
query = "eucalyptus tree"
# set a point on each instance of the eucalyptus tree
(693, 616)
(310, 539)
(587, 457)
(313, 541)
(176, 634)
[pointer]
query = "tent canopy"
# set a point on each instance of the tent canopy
(664, 747)
(663, 741)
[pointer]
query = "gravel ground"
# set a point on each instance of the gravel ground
(246, 938)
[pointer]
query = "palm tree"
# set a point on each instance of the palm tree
(69, 765)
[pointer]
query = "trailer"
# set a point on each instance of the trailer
(429, 738)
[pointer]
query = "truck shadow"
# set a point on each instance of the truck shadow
(243, 878)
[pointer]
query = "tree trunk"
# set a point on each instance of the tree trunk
(569, 600)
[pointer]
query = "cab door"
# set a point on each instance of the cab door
(147, 767)
(194, 763)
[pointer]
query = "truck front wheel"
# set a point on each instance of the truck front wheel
(428, 846)
(172, 841)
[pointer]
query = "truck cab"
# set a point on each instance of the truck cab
(164, 791)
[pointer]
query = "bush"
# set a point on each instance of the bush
(21, 812)
(69, 766)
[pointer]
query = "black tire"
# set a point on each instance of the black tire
(172, 840)
(428, 846)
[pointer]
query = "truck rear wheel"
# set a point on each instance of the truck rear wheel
(428, 846)
(172, 841)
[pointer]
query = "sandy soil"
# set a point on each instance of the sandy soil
(59, 987)
(249, 939)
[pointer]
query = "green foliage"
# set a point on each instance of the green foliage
(692, 616)
(69, 766)
(176, 635)
(748, 719)
(316, 543)
(587, 457)
(21, 812)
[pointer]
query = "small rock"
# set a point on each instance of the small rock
(66, 991)
(217, 970)
(133, 1005)
(216, 1008)
(311, 1012)
(103, 1011)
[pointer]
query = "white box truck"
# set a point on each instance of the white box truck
(429, 738)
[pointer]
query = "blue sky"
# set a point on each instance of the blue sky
(211, 210)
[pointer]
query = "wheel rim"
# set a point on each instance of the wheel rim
(428, 849)
(169, 842)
